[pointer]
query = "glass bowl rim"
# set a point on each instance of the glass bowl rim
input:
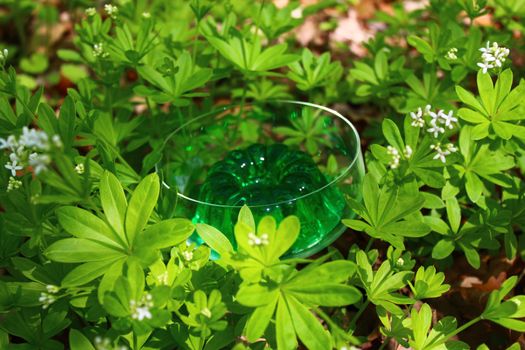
(355, 158)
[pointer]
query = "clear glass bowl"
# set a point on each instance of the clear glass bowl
(280, 158)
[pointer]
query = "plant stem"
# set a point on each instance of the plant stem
(386, 341)
(369, 244)
(457, 331)
(361, 309)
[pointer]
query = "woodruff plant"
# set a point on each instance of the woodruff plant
(91, 256)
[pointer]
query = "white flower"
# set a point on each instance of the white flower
(206, 312)
(441, 154)
(79, 169)
(146, 15)
(408, 152)
(46, 299)
(394, 163)
(57, 141)
(187, 255)
(39, 162)
(435, 129)
(98, 50)
(297, 13)
(400, 261)
(163, 278)
(13, 184)
(451, 54)
(13, 165)
(485, 66)
(3, 55)
(427, 109)
(447, 119)
(254, 240)
(90, 12)
(111, 10)
(492, 56)
(52, 289)
(417, 118)
(141, 310)
(32, 138)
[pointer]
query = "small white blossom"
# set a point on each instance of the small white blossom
(441, 154)
(206, 312)
(427, 109)
(146, 15)
(57, 141)
(451, 54)
(98, 50)
(90, 12)
(111, 10)
(46, 299)
(447, 119)
(407, 152)
(79, 169)
(297, 13)
(13, 184)
(14, 164)
(35, 139)
(255, 240)
(396, 157)
(140, 310)
(52, 289)
(417, 118)
(39, 162)
(492, 56)
(187, 255)
(400, 261)
(3, 56)
(435, 129)
(105, 344)
(163, 278)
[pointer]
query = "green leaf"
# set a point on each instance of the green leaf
(392, 134)
(79, 250)
(423, 47)
(285, 332)
(87, 272)
(77, 341)
(486, 92)
(259, 320)
(245, 216)
(307, 327)
(82, 224)
(442, 249)
(468, 98)
(113, 202)
(214, 238)
(325, 294)
(141, 205)
(165, 234)
(286, 235)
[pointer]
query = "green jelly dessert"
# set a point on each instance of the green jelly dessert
(272, 180)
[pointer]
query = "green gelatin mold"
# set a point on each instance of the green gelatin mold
(272, 180)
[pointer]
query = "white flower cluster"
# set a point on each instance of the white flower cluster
(141, 309)
(492, 56)
(13, 184)
(48, 298)
(442, 153)
(98, 50)
(396, 155)
(256, 241)
(111, 10)
(30, 149)
(79, 169)
(146, 15)
(3, 56)
(187, 255)
(452, 54)
(90, 12)
(437, 120)
(105, 344)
